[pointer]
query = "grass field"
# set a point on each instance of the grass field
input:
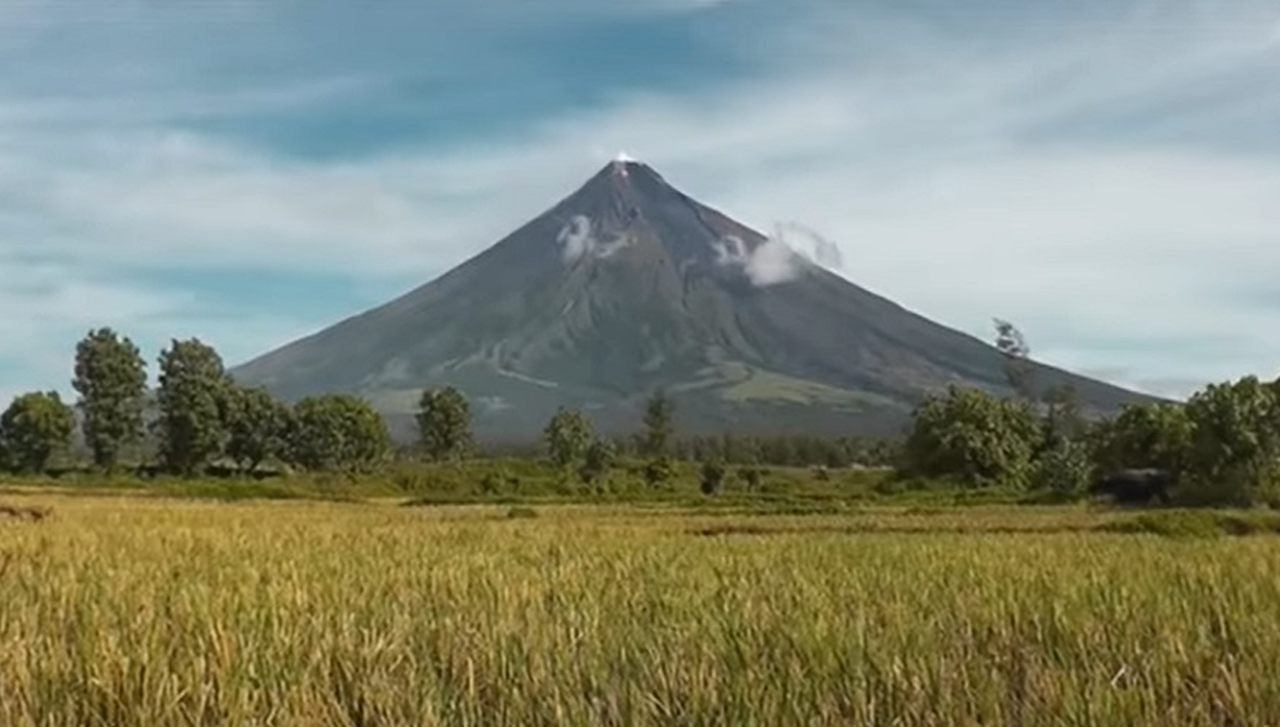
(151, 611)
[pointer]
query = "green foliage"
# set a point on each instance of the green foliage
(973, 437)
(568, 435)
(444, 423)
(1234, 444)
(32, 429)
(193, 401)
(1150, 436)
(751, 477)
(259, 427)
(1063, 419)
(659, 415)
(659, 471)
(712, 477)
(111, 378)
(1064, 470)
(599, 459)
(339, 433)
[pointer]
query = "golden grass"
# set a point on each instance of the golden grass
(152, 612)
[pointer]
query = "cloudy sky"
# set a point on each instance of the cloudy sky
(1106, 173)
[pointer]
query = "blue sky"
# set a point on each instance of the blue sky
(1107, 174)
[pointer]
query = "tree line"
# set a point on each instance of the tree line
(1222, 447)
(197, 417)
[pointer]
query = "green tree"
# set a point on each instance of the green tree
(597, 461)
(972, 436)
(1143, 436)
(712, 476)
(193, 404)
(444, 423)
(568, 435)
(1235, 441)
(111, 378)
(258, 427)
(338, 433)
(1064, 469)
(32, 429)
(1063, 419)
(659, 417)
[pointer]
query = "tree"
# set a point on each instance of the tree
(1142, 436)
(712, 476)
(597, 461)
(258, 427)
(444, 423)
(193, 402)
(1234, 443)
(659, 414)
(1063, 419)
(1019, 371)
(111, 378)
(338, 433)
(568, 435)
(972, 436)
(32, 429)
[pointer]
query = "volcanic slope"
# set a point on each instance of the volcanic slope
(628, 287)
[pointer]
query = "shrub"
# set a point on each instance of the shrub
(751, 477)
(973, 437)
(1064, 470)
(713, 474)
(597, 462)
(659, 471)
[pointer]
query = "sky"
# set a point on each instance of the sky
(1105, 173)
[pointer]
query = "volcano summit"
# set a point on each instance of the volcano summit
(627, 287)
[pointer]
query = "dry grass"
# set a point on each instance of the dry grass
(152, 612)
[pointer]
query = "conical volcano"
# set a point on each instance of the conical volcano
(626, 287)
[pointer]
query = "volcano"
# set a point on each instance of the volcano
(628, 287)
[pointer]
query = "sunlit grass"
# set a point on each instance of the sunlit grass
(146, 611)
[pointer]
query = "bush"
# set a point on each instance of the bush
(973, 437)
(713, 474)
(1064, 470)
(598, 461)
(751, 477)
(659, 471)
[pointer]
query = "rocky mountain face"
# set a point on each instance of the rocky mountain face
(627, 287)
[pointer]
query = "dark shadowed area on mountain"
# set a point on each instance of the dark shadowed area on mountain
(628, 287)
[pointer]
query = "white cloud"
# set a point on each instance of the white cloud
(769, 263)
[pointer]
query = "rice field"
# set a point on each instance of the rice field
(141, 611)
